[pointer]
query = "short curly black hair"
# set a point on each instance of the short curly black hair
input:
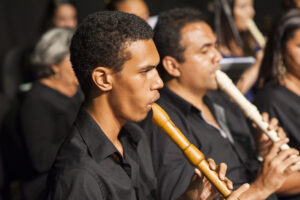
(101, 40)
(167, 32)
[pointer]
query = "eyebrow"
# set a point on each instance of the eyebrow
(148, 68)
(208, 45)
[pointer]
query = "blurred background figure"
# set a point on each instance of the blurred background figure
(137, 7)
(65, 15)
(242, 10)
(235, 39)
(290, 4)
(44, 116)
(279, 79)
(16, 69)
(61, 13)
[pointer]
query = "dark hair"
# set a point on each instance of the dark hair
(167, 32)
(288, 4)
(101, 40)
(281, 33)
(225, 34)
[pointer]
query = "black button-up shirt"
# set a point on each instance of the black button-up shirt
(223, 144)
(88, 166)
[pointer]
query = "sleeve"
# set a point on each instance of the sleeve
(75, 185)
(172, 169)
(38, 129)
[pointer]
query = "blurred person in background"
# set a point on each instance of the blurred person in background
(65, 15)
(61, 13)
(46, 113)
(279, 82)
(242, 11)
(136, 7)
(17, 71)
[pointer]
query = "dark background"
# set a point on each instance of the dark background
(20, 19)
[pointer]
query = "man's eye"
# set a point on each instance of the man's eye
(204, 51)
(144, 71)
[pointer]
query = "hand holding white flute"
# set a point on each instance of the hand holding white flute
(226, 85)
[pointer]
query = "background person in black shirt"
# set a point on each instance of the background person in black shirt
(279, 83)
(45, 116)
(114, 58)
(189, 60)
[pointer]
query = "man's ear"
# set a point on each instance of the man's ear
(102, 77)
(171, 65)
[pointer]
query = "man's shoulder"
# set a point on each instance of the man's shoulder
(75, 182)
(73, 153)
(73, 163)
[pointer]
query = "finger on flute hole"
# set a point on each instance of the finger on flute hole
(265, 117)
(212, 164)
(229, 184)
(222, 171)
(198, 175)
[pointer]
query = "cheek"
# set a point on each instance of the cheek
(293, 56)
(197, 70)
(130, 99)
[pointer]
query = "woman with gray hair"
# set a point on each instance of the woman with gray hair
(49, 108)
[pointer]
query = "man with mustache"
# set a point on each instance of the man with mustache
(189, 60)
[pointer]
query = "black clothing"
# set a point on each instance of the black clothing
(284, 105)
(88, 166)
(172, 169)
(44, 120)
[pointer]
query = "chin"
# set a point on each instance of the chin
(214, 87)
(139, 117)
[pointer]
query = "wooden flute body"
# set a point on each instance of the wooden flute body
(226, 85)
(196, 158)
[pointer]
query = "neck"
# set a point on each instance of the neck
(292, 83)
(193, 97)
(102, 112)
(66, 89)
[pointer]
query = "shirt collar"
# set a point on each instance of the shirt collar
(169, 96)
(97, 142)
(183, 105)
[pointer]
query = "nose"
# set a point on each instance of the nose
(157, 83)
(216, 56)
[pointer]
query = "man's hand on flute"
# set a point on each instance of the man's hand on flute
(263, 142)
(200, 188)
(275, 169)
